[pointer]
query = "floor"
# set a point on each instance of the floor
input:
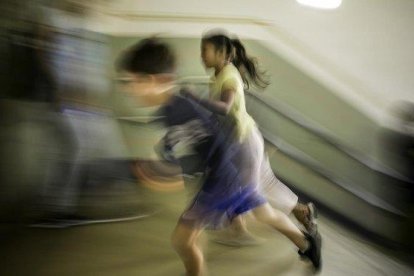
(142, 247)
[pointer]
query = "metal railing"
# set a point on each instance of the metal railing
(327, 137)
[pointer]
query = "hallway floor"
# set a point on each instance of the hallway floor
(142, 247)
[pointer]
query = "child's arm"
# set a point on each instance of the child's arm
(181, 139)
(165, 151)
(223, 106)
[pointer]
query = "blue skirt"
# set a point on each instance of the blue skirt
(231, 184)
(208, 210)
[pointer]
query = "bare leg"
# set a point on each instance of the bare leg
(184, 240)
(236, 234)
(281, 222)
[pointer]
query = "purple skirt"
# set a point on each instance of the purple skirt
(213, 212)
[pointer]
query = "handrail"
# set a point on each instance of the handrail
(326, 136)
(184, 17)
(317, 167)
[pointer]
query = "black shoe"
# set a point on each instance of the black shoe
(313, 253)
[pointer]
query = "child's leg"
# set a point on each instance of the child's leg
(236, 234)
(184, 240)
(281, 222)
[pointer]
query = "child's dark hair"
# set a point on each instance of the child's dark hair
(149, 56)
(236, 53)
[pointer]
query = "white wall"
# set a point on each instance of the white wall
(362, 51)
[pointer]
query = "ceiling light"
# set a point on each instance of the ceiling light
(321, 4)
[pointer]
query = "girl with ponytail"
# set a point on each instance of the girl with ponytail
(235, 71)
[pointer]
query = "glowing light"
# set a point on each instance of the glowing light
(321, 4)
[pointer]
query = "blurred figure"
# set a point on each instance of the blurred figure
(27, 98)
(63, 58)
(403, 143)
(233, 69)
(398, 147)
(69, 62)
(150, 66)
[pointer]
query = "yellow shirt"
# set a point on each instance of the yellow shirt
(230, 77)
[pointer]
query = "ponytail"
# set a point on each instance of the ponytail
(247, 65)
(235, 52)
